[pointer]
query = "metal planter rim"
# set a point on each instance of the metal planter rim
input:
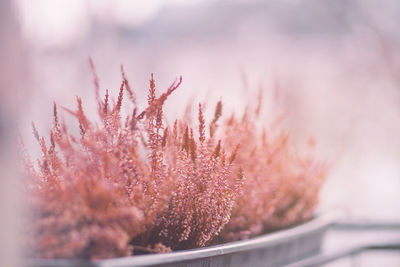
(317, 223)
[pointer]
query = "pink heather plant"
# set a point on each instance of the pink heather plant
(133, 185)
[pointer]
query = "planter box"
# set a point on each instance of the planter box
(275, 249)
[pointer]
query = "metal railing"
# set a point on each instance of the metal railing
(354, 225)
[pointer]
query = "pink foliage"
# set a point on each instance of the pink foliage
(136, 185)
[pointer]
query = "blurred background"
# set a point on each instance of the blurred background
(332, 66)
